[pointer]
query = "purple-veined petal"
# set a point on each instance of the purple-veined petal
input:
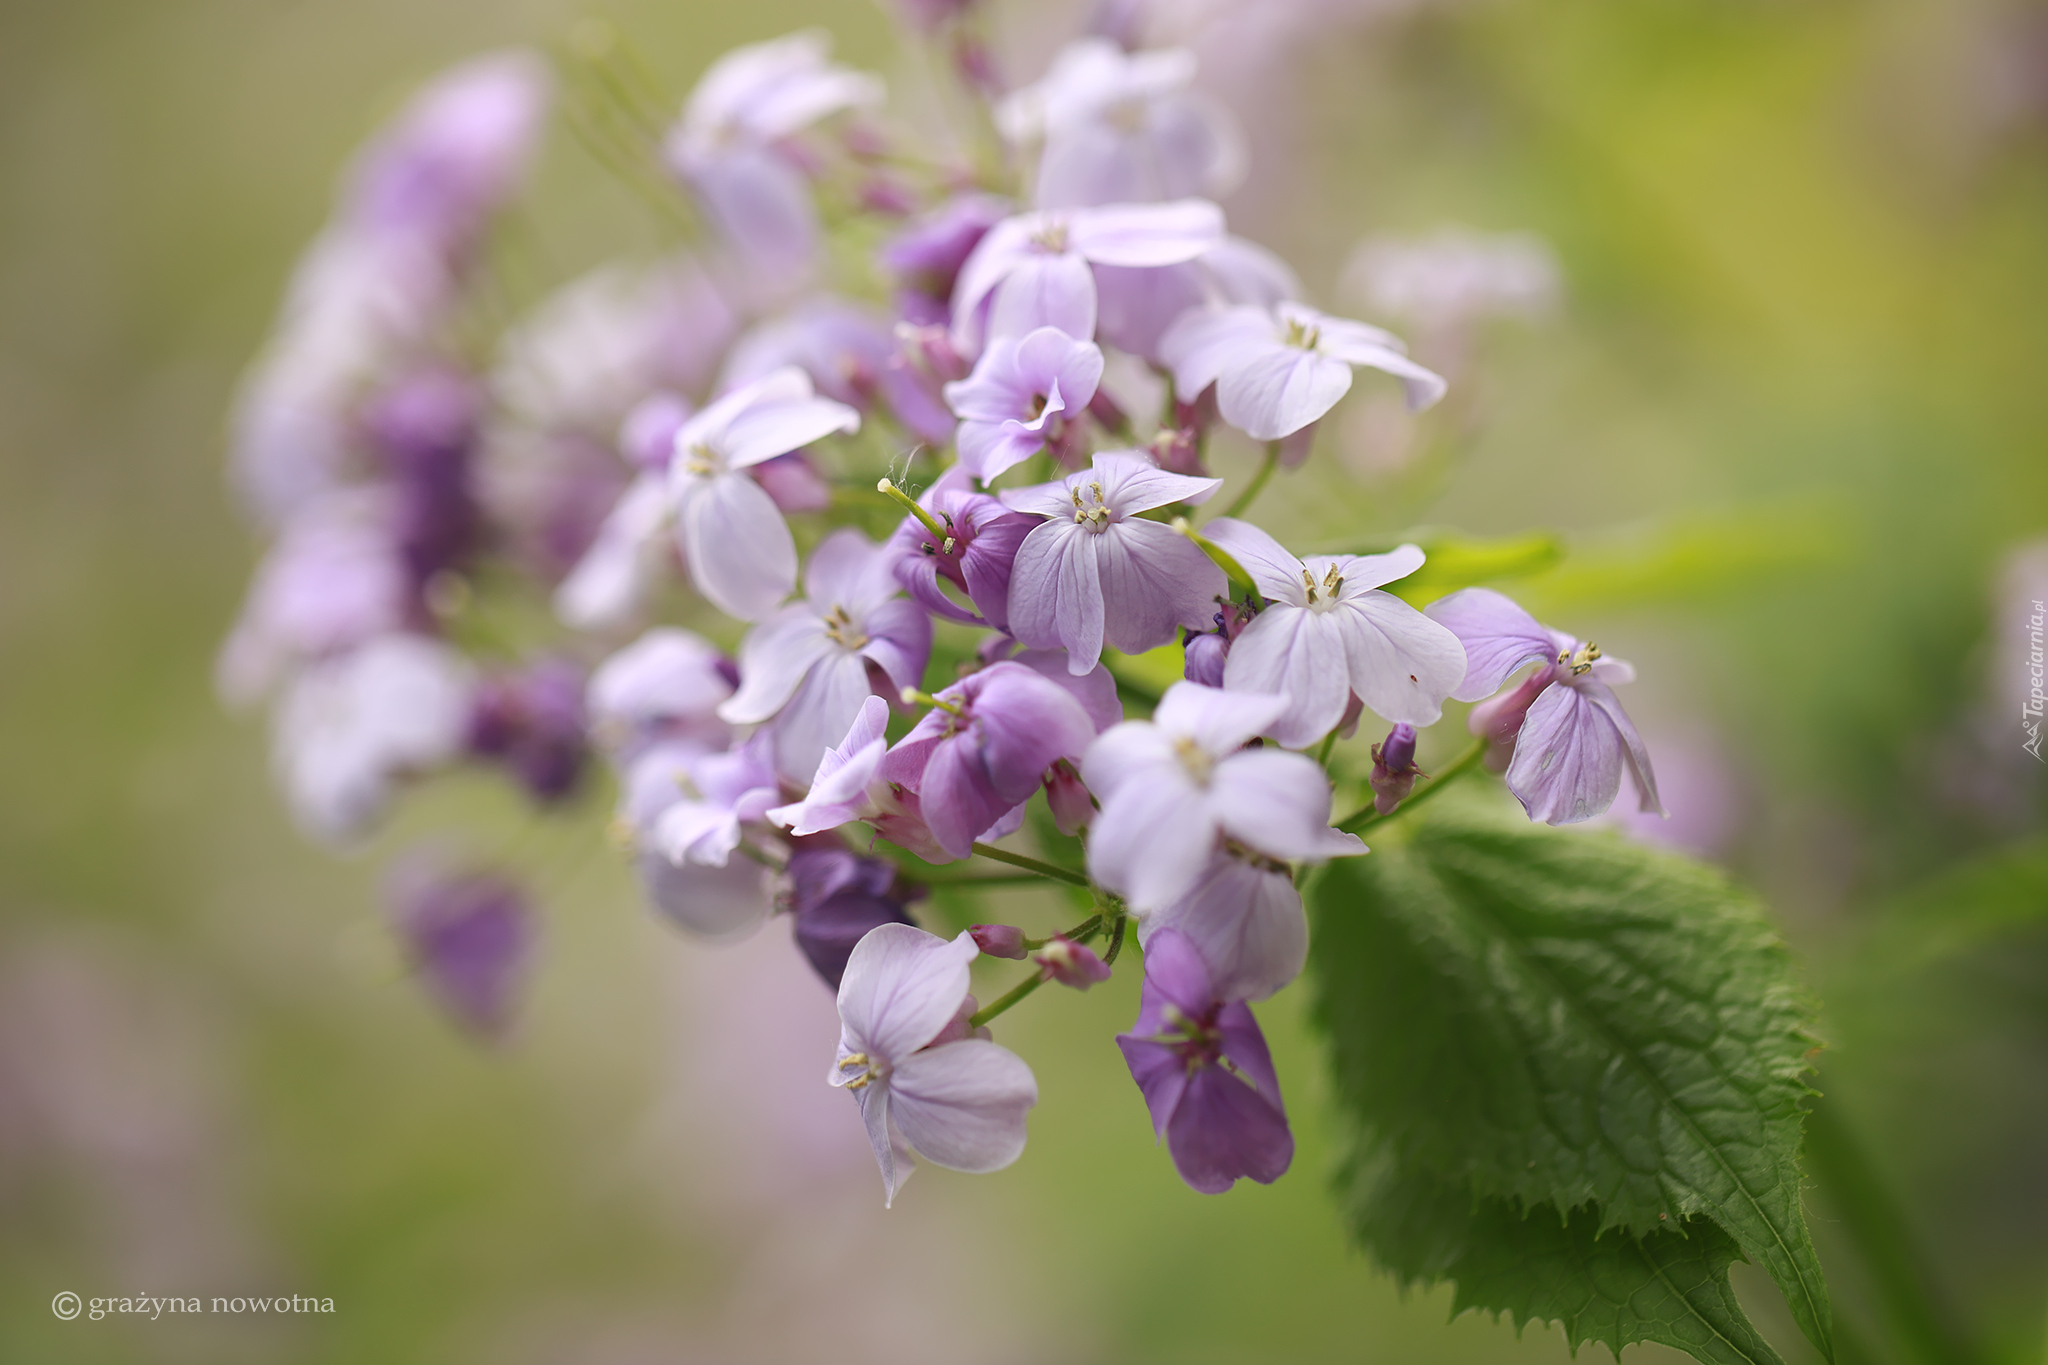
(1044, 290)
(820, 711)
(1277, 573)
(956, 797)
(1203, 344)
(962, 1105)
(1632, 743)
(1246, 921)
(902, 985)
(1152, 839)
(1278, 804)
(1131, 483)
(1245, 1045)
(840, 571)
(1056, 593)
(770, 429)
(1218, 721)
(838, 791)
(874, 1116)
(1499, 637)
(987, 449)
(1143, 234)
(899, 640)
(737, 546)
(1027, 721)
(1277, 390)
(1095, 690)
(1223, 1130)
(775, 658)
(1401, 663)
(1299, 653)
(1161, 1075)
(1154, 581)
(1363, 572)
(1568, 757)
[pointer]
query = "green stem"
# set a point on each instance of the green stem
(1329, 743)
(1081, 933)
(1116, 940)
(973, 879)
(1058, 874)
(1258, 483)
(1360, 821)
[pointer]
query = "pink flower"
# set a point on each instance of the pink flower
(1327, 633)
(1095, 571)
(1174, 787)
(1570, 737)
(958, 1102)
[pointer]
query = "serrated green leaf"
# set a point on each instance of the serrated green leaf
(1561, 1017)
(1669, 1285)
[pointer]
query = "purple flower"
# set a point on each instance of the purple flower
(1393, 769)
(959, 1103)
(1136, 307)
(1207, 1077)
(1172, 788)
(806, 667)
(533, 722)
(1095, 570)
(666, 685)
(425, 425)
(850, 786)
(1123, 127)
(353, 726)
(330, 582)
(850, 354)
(984, 749)
(734, 540)
(1032, 270)
(731, 145)
(975, 553)
(927, 255)
(835, 897)
(470, 937)
(1327, 633)
(1245, 918)
(1095, 689)
(622, 564)
(720, 900)
(1571, 738)
(720, 794)
(1022, 393)
(1277, 371)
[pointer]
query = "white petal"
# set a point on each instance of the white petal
(770, 429)
(1152, 839)
(1277, 573)
(901, 987)
(1219, 721)
(1402, 664)
(1300, 654)
(737, 546)
(1277, 390)
(1278, 804)
(774, 659)
(819, 713)
(962, 1105)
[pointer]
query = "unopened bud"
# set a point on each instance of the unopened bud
(1393, 769)
(1071, 964)
(1178, 451)
(931, 346)
(999, 940)
(1072, 807)
(1205, 658)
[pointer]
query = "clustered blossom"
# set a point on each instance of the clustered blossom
(949, 523)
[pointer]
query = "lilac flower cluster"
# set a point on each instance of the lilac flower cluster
(485, 567)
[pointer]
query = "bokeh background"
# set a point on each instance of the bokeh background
(1789, 410)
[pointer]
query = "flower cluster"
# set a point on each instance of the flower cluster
(917, 544)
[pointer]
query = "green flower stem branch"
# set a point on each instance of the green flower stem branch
(1258, 483)
(1360, 821)
(1080, 933)
(1058, 874)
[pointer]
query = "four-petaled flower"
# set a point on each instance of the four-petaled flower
(1022, 392)
(925, 1084)
(1571, 739)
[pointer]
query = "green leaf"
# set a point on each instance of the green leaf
(1560, 1017)
(1669, 1285)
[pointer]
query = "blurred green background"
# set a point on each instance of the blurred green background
(1791, 416)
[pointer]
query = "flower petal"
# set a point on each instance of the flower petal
(1401, 663)
(819, 713)
(1224, 1130)
(1152, 839)
(1221, 722)
(1568, 757)
(1276, 390)
(1154, 581)
(1298, 653)
(770, 429)
(737, 546)
(775, 658)
(1202, 344)
(1144, 234)
(1044, 290)
(1499, 637)
(1632, 743)
(1278, 804)
(901, 987)
(962, 1105)
(1056, 593)
(1277, 573)
(1246, 922)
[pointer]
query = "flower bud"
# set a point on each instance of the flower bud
(1072, 807)
(1393, 769)
(999, 940)
(1205, 658)
(1177, 450)
(1071, 964)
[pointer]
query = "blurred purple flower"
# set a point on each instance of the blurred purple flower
(852, 356)
(983, 536)
(533, 722)
(1095, 571)
(1136, 307)
(1033, 270)
(1206, 1074)
(667, 685)
(806, 667)
(425, 426)
(985, 749)
(1327, 633)
(1173, 787)
(849, 785)
(721, 793)
(1022, 394)
(959, 1103)
(470, 936)
(734, 541)
(719, 900)
(1570, 737)
(926, 256)
(835, 897)
(1277, 371)
(1120, 127)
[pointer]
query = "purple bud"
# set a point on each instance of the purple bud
(1072, 807)
(886, 195)
(533, 721)
(1071, 964)
(470, 936)
(999, 940)
(1205, 658)
(1177, 450)
(930, 346)
(425, 425)
(836, 897)
(1393, 769)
